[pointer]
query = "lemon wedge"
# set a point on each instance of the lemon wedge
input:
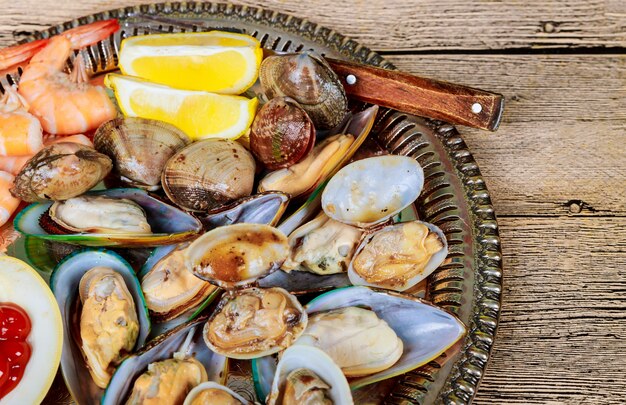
(199, 114)
(215, 61)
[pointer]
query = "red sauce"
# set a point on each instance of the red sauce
(14, 350)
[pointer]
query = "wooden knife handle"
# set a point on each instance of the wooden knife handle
(420, 96)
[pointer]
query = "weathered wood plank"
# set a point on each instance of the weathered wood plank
(407, 25)
(562, 333)
(562, 145)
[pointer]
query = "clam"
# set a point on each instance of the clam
(171, 289)
(168, 225)
(425, 331)
(209, 173)
(372, 190)
(307, 375)
(212, 393)
(305, 175)
(322, 246)
(166, 369)
(139, 148)
(307, 78)
(255, 322)
(104, 319)
(96, 214)
(237, 255)
(61, 171)
(281, 134)
(397, 257)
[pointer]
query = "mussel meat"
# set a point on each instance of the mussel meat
(307, 78)
(255, 322)
(108, 322)
(96, 214)
(398, 257)
(139, 148)
(61, 171)
(212, 393)
(282, 133)
(322, 246)
(208, 173)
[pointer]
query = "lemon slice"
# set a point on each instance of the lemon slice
(198, 113)
(216, 61)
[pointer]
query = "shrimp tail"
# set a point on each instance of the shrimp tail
(14, 56)
(90, 34)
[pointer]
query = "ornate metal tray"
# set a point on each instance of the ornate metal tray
(455, 197)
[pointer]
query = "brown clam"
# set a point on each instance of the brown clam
(208, 173)
(282, 133)
(307, 78)
(61, 171)
(139, 148)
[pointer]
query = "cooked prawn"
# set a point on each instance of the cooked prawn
(13, 164)
(8, 203)
(20, 131)
(13, 57)
(67, 104)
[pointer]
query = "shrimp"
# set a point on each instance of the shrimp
(67, 104)
(8, 203)
(17, 56)
(13, 164)
(20, 131)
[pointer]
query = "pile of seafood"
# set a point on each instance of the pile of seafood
(292, 247)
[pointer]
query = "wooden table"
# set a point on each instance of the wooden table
(556, 169)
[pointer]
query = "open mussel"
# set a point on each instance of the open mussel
(115, 217)
(282, 133)
(263, 208)
(208, 173)
(104, 319)
(307, 78)
(61, 171)
(255, 322)
(139, 148)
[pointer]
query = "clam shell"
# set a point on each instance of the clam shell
(372, 190)
(186, 338)
(139, 148)
(169, 225)
(435, 260)
(282, 133)
(237, 255)
(315, 360)
(307, 78)
(65, 282)
(425, 330)
(213, 385)
(258, 347)
(208, 173)
(61, 171)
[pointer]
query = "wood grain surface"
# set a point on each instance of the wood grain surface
(556, 168)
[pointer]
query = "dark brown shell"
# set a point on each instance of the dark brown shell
(282, 133)
(308, 79)
(61, 171)
(139, 148)
(208, 173)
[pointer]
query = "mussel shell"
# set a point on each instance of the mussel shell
(263, 208)
(435, 260)
(426, 330)
(208, 173)
(65, 282)
(281, 134)
(307, 78)
(161, 348)
(61, 171)
(139, 148)
(169, 225)
(372, 190)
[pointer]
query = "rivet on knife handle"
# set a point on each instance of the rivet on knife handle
(421, 96)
